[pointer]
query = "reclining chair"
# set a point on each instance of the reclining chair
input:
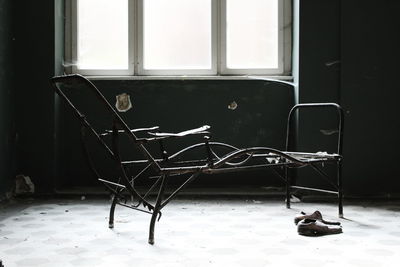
(209, 159)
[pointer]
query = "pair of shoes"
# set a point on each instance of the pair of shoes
(315, 225)
(314, 216)
(310, 227)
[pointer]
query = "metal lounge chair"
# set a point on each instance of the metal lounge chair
(209, 159)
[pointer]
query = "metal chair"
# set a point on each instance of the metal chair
(209, 159)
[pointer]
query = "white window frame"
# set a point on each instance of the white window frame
(218, 46)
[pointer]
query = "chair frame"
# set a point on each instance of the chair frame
(170, 165)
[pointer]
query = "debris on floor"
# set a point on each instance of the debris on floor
(23, 185)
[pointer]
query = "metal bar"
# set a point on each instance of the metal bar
(108, 132)
(243, 168)
(152, 187)
(324, 175)
(112, 211)
(278, 174)
(158, 160)
(288, 183)
(340, 188)
(340, 115)
(114, 191)
(314, 189)
(109, 182)
(134, 208)
(157, 208)
(312, 155)
(140, 173)
(191, 178)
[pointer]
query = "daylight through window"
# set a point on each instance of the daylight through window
(179, 37)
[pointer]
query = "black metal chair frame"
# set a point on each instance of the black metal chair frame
(170, 165)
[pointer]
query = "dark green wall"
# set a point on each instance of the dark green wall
(7, 104)
(35, 30)
(259, 119)
(319, 79)
(348, 54)
(371, 94)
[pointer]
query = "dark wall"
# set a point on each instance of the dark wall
(35, 56)
(7, 90)
(178, 105)
(348, 54)
(370, 95)
(319, 58)
(319, 80)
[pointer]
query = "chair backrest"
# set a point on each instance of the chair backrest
(317, 107)
(76, 82)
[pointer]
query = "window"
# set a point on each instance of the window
(178, 37)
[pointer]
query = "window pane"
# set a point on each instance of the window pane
(177, 34)
(252, 34)
(102, 34)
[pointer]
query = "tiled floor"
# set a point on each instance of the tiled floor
(218, 232)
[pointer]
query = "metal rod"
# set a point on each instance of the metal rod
(109, 182)
(324, 175)
(278, 174)
(340, 188)
(134, 208)
(191, 178)
(288, 183)
(314, 189)
(157, 209)
(152, 187)
(140, 173)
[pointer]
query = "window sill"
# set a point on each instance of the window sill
(285, 79)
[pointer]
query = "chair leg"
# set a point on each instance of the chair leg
(288, 181)
(157, 208)
(340, 189)
(112, 210)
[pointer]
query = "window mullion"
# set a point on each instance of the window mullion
(214, 36)
(217, 36)
(222, 37)
(139, 37)
(133, 35)
(71, 7)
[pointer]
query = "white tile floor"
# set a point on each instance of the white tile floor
(236, 232)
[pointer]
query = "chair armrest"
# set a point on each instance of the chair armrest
(145, 129)
(107, 132)
(200, 130)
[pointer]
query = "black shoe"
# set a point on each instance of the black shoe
(310, 227)
(315, 216)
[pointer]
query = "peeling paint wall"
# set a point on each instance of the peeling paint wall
(259, 118)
